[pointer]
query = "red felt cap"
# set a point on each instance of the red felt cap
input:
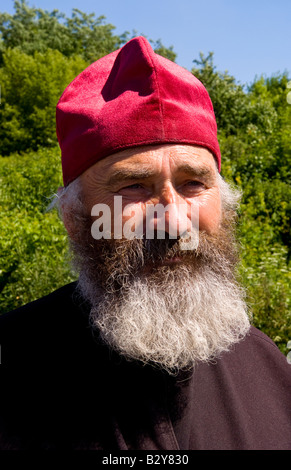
(129, 98)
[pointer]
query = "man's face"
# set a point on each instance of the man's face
(165, 174)
(151, 300)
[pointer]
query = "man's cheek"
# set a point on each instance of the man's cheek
(210, 218)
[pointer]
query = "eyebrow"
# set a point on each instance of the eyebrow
(128, 174)
(136, 174)
(200, 171)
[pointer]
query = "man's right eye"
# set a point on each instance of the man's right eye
(133, 186)
(134, 191)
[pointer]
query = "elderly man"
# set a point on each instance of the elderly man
(152, 348)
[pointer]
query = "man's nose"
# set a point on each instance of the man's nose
(169, 214)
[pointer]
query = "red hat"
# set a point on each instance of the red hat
(129, 98)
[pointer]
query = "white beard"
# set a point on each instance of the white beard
(172, 323)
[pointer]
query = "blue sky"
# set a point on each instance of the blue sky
(249, 38)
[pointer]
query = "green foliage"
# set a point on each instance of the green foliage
(265, 267)
(33, 248)
(30, 89)
(228, 98)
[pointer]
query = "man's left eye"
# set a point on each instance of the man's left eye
(132, 190)
(133, 186)
(194, 184)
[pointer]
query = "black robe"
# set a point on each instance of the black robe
(62, 389)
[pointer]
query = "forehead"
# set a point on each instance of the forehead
(156, 158)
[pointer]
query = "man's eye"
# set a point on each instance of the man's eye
(133, 186)
(195, 184)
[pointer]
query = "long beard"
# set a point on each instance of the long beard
(171, 315)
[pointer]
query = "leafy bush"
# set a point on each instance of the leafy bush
(30, 89)
(33, 247)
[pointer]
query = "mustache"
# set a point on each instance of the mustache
(132, 256)
(147, 251)
(162, 249)
(159, 250)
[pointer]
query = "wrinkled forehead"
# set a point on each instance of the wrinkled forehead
(153, 160)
